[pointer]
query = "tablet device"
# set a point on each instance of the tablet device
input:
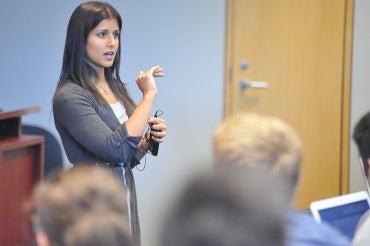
(342, 212)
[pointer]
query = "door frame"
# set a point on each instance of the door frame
(346, 92)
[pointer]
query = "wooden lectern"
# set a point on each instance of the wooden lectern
(21, 167)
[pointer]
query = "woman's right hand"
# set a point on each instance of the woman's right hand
(137, 122)
(146, 83)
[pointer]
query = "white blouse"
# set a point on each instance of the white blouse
(120, 111)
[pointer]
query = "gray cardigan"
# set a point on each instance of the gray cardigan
(89, 130)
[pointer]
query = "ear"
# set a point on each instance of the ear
(42, 239)
(368, 167)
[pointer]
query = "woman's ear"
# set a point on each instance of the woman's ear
(42, 239)
(368, 167)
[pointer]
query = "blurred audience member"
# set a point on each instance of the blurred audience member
(361, 136)
(79, 207)
(267, 142)
(228, 206)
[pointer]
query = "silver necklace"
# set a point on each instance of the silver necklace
(106, 90)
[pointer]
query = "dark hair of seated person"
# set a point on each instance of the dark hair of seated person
(224, 206)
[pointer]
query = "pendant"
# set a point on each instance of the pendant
(106, 90)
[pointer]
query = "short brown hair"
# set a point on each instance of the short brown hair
(60, 202)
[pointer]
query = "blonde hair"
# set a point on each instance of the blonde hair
(258, 140)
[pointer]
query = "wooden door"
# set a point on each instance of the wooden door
(301, 49)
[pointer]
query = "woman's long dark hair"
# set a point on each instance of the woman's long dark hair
(75, 68)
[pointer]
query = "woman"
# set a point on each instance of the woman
(97, 120)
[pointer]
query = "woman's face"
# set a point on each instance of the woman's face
(102, 44)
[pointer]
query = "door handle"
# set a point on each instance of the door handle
(245, 84)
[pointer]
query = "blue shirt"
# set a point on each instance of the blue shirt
(303, 230)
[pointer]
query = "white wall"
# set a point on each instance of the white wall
(185, 37)
(360, 94)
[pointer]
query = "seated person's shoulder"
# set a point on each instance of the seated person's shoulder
(302, 229)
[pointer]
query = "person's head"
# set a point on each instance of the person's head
(69, 198)
(93, 46)
(361, 136)
(228, 206)
(105, 229)
(77, 60)
(259, 140)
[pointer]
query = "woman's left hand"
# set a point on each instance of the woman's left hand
(158, 129)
